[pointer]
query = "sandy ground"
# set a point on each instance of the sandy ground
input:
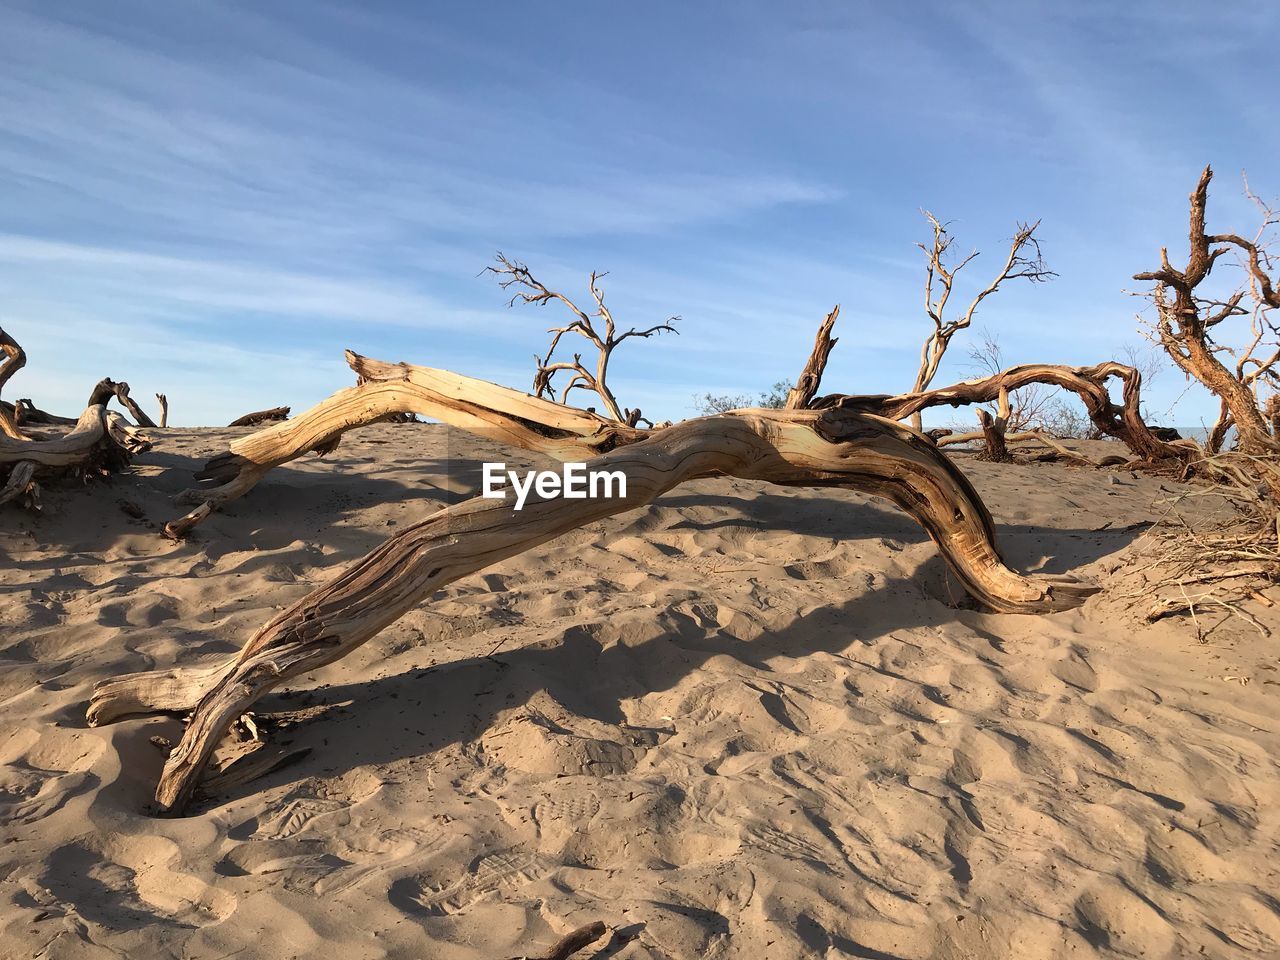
(744, 723)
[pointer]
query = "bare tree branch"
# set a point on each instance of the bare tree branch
(516, 276)
(1186, 322)
(1023, 262)
(810, 378)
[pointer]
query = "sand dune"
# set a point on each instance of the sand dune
(749, 722)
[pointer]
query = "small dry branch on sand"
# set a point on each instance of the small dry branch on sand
(572, 942)
(260, 417)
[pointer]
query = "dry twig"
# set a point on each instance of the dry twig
(528, 289)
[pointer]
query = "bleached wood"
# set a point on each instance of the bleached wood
(810, 378)
(1123, 422)
(19, 482)
(139, 415)
(834, 447)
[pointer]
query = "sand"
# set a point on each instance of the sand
(748, 722)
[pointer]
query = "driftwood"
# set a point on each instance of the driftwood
(164, 409)
(799, 396)
(993, 437)
(381, 396)
(15, 358)
(139, 415)
(572, 942)
(831, 447)
(1123, 422)
(21, 482)
(260, 416)
(100, 443)
(1056, 450)
(24, 411)
(100, 438)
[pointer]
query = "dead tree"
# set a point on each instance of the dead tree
(830, 447)
(164, 409)
(1188, 319)
(260, 416)
(529, 289)
(1219, 565)
(1024, 261)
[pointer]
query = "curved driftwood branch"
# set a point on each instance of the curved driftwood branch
(97, 442)
(100, 442)
(387, 390)
(28, 412)
(834, 447)
(15, 358)
(97, 430)
(1122, 422)
(260, 416)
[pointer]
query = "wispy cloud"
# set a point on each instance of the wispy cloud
(248, 188)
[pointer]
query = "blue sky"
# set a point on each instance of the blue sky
(214, 199)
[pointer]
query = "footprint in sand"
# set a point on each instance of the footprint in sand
(1075, 671)
(488, 875)
(41, 772)
(576, 809)
(789, 846)
(135, 879)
